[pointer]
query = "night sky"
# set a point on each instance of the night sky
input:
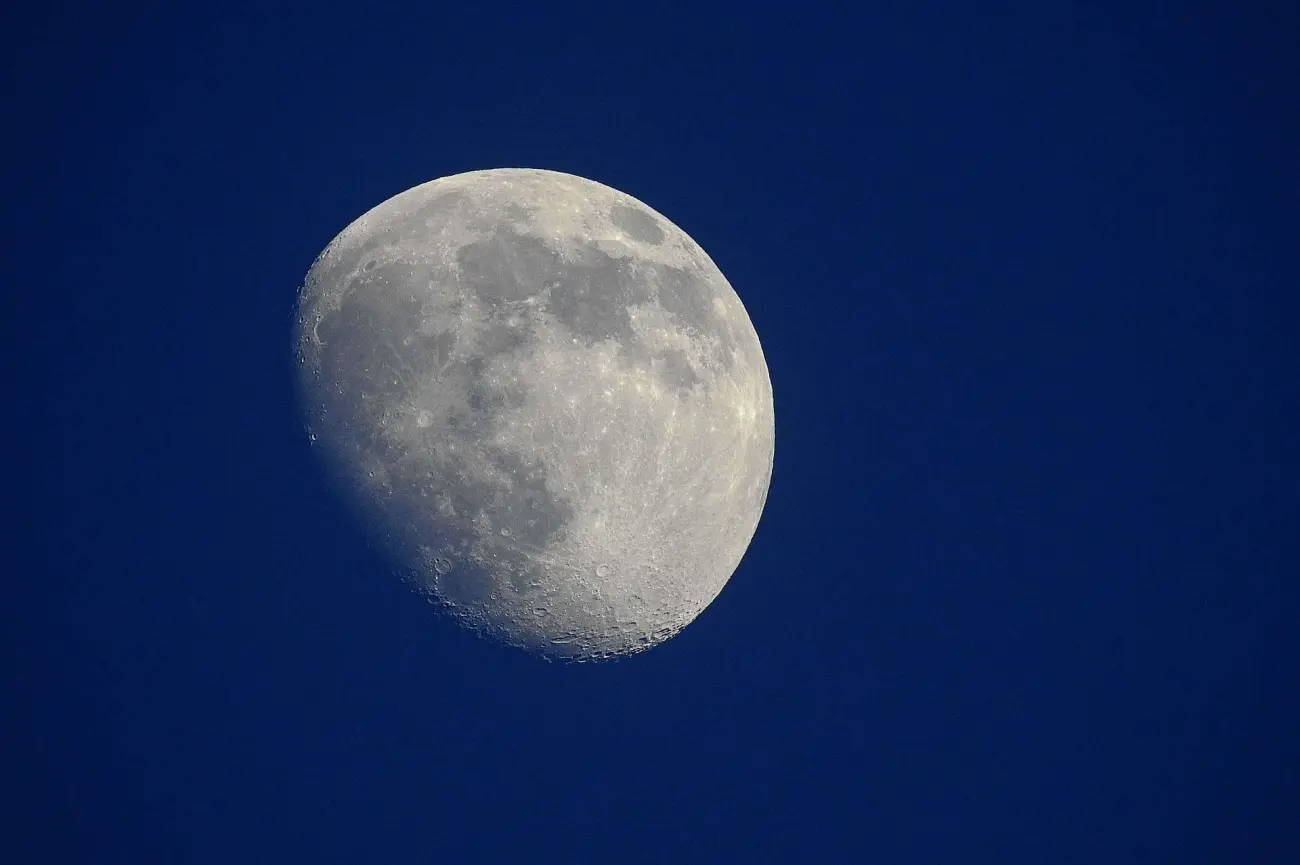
(1027, 586)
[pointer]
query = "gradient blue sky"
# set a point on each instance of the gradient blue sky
(1025, 590)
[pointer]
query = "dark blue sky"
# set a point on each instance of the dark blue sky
(1025, 590)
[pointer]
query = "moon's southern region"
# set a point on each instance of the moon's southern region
(547, 402)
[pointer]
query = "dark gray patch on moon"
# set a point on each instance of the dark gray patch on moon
(506, 268)
(592, 298)
(676, 370)
(518, 486)
(504, 336)
(592, 294)
(638, 224)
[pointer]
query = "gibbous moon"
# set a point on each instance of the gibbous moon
(547, 403)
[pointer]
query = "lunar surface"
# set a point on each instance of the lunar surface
(546, 401)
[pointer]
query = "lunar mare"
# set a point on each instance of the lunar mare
(547, 402)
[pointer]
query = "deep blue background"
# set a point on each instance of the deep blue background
(1026, 587)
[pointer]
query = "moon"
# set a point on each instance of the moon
(545, 401)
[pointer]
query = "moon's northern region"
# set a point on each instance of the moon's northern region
(547, 402)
